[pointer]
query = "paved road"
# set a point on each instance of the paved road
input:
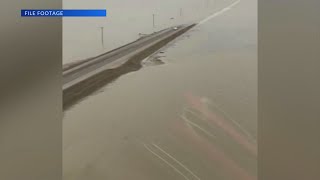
(113, 58)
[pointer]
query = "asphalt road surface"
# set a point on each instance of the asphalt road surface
(114, 58)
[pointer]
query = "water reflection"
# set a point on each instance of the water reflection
(193, 117)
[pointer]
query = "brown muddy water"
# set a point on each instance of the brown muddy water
(193, 116)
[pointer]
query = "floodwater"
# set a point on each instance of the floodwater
(125, 20)
(192, 117)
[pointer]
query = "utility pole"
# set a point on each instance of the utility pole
(208, 3)
(181, 18)
(102, 38)
(153, 21)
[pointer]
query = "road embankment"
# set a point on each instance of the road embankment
(79, 91)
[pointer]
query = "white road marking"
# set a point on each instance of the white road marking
(176, 161)
(219, 12)
(232, 120)
(172, 166)
(197, 126)
(186, 109)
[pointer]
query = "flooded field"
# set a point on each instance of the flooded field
(190, 113)
(125, 20)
